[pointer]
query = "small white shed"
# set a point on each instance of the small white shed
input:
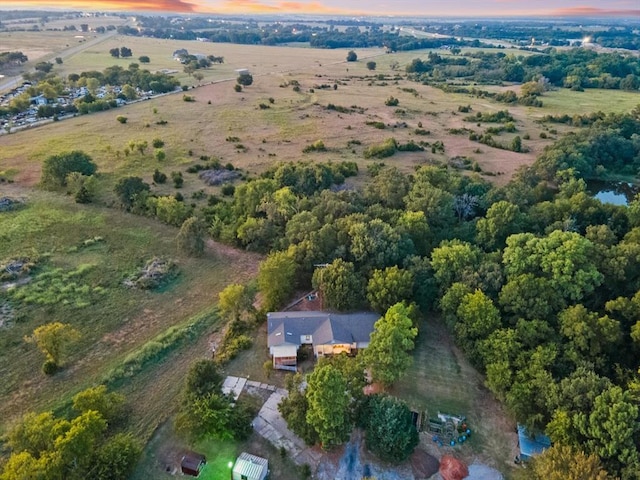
(250, 467)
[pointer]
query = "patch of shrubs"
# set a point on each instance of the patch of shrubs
(382, 150)
(159, 177)
(317, 146)
(339, 108)
(392, 102)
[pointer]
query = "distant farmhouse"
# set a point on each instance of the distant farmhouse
(327, 333)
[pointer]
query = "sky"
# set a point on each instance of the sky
(430, 8)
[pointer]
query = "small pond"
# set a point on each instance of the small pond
(616, 193)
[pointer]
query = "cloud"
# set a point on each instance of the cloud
(595, 12)
(182, 6)
(258, 6)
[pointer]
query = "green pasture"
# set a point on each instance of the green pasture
(125, 333)
(566, 101)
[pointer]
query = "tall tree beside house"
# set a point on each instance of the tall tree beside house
(340, 285)
(294, 409)
(388, 287)
(328, 411)
(276, 279)
(206, 411)
(389, 353)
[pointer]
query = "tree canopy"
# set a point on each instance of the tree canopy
(389, 352)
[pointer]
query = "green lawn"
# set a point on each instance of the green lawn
(441, 380)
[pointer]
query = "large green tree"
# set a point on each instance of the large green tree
(191, 237)
(128, 188)
(477, 319)
(294, 409)
(276, 279)
(389, 352)
(56, 168)
(561, 462)
(566, 259)
(340, 285)
(388, 287)
(328, 411)
(54, 339)
(390, 432)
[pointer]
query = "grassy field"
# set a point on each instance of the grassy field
(294, 120)
(564, 100)
(120, 321)
(441, 380)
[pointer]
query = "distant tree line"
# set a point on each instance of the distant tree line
(371, 35)
(576, 68)
(522, 33)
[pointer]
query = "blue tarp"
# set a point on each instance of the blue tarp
(531, 445)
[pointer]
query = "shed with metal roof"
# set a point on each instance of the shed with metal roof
(250, 467)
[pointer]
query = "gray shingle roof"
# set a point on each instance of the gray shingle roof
(326, 328)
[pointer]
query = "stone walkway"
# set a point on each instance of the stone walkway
(233, 385)
(270, 425)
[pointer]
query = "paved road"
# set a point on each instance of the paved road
(9, 83)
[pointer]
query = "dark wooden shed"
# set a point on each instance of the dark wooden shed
(192, 463)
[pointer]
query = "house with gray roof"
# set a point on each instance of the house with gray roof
(327, 333)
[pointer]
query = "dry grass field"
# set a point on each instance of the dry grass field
(277, 133)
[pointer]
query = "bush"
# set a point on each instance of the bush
(228, 190)
(157, 143)
(382, 150)
(317, 146)
(188, 98)
(49, 367)
(237, 87)
(352, 56)
(56, 168)
(177, 178)
(378, 125)
(121, 119)
(392, 102)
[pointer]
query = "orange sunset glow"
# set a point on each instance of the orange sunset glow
(360, 7)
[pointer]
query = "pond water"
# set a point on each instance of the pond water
(616, 193)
